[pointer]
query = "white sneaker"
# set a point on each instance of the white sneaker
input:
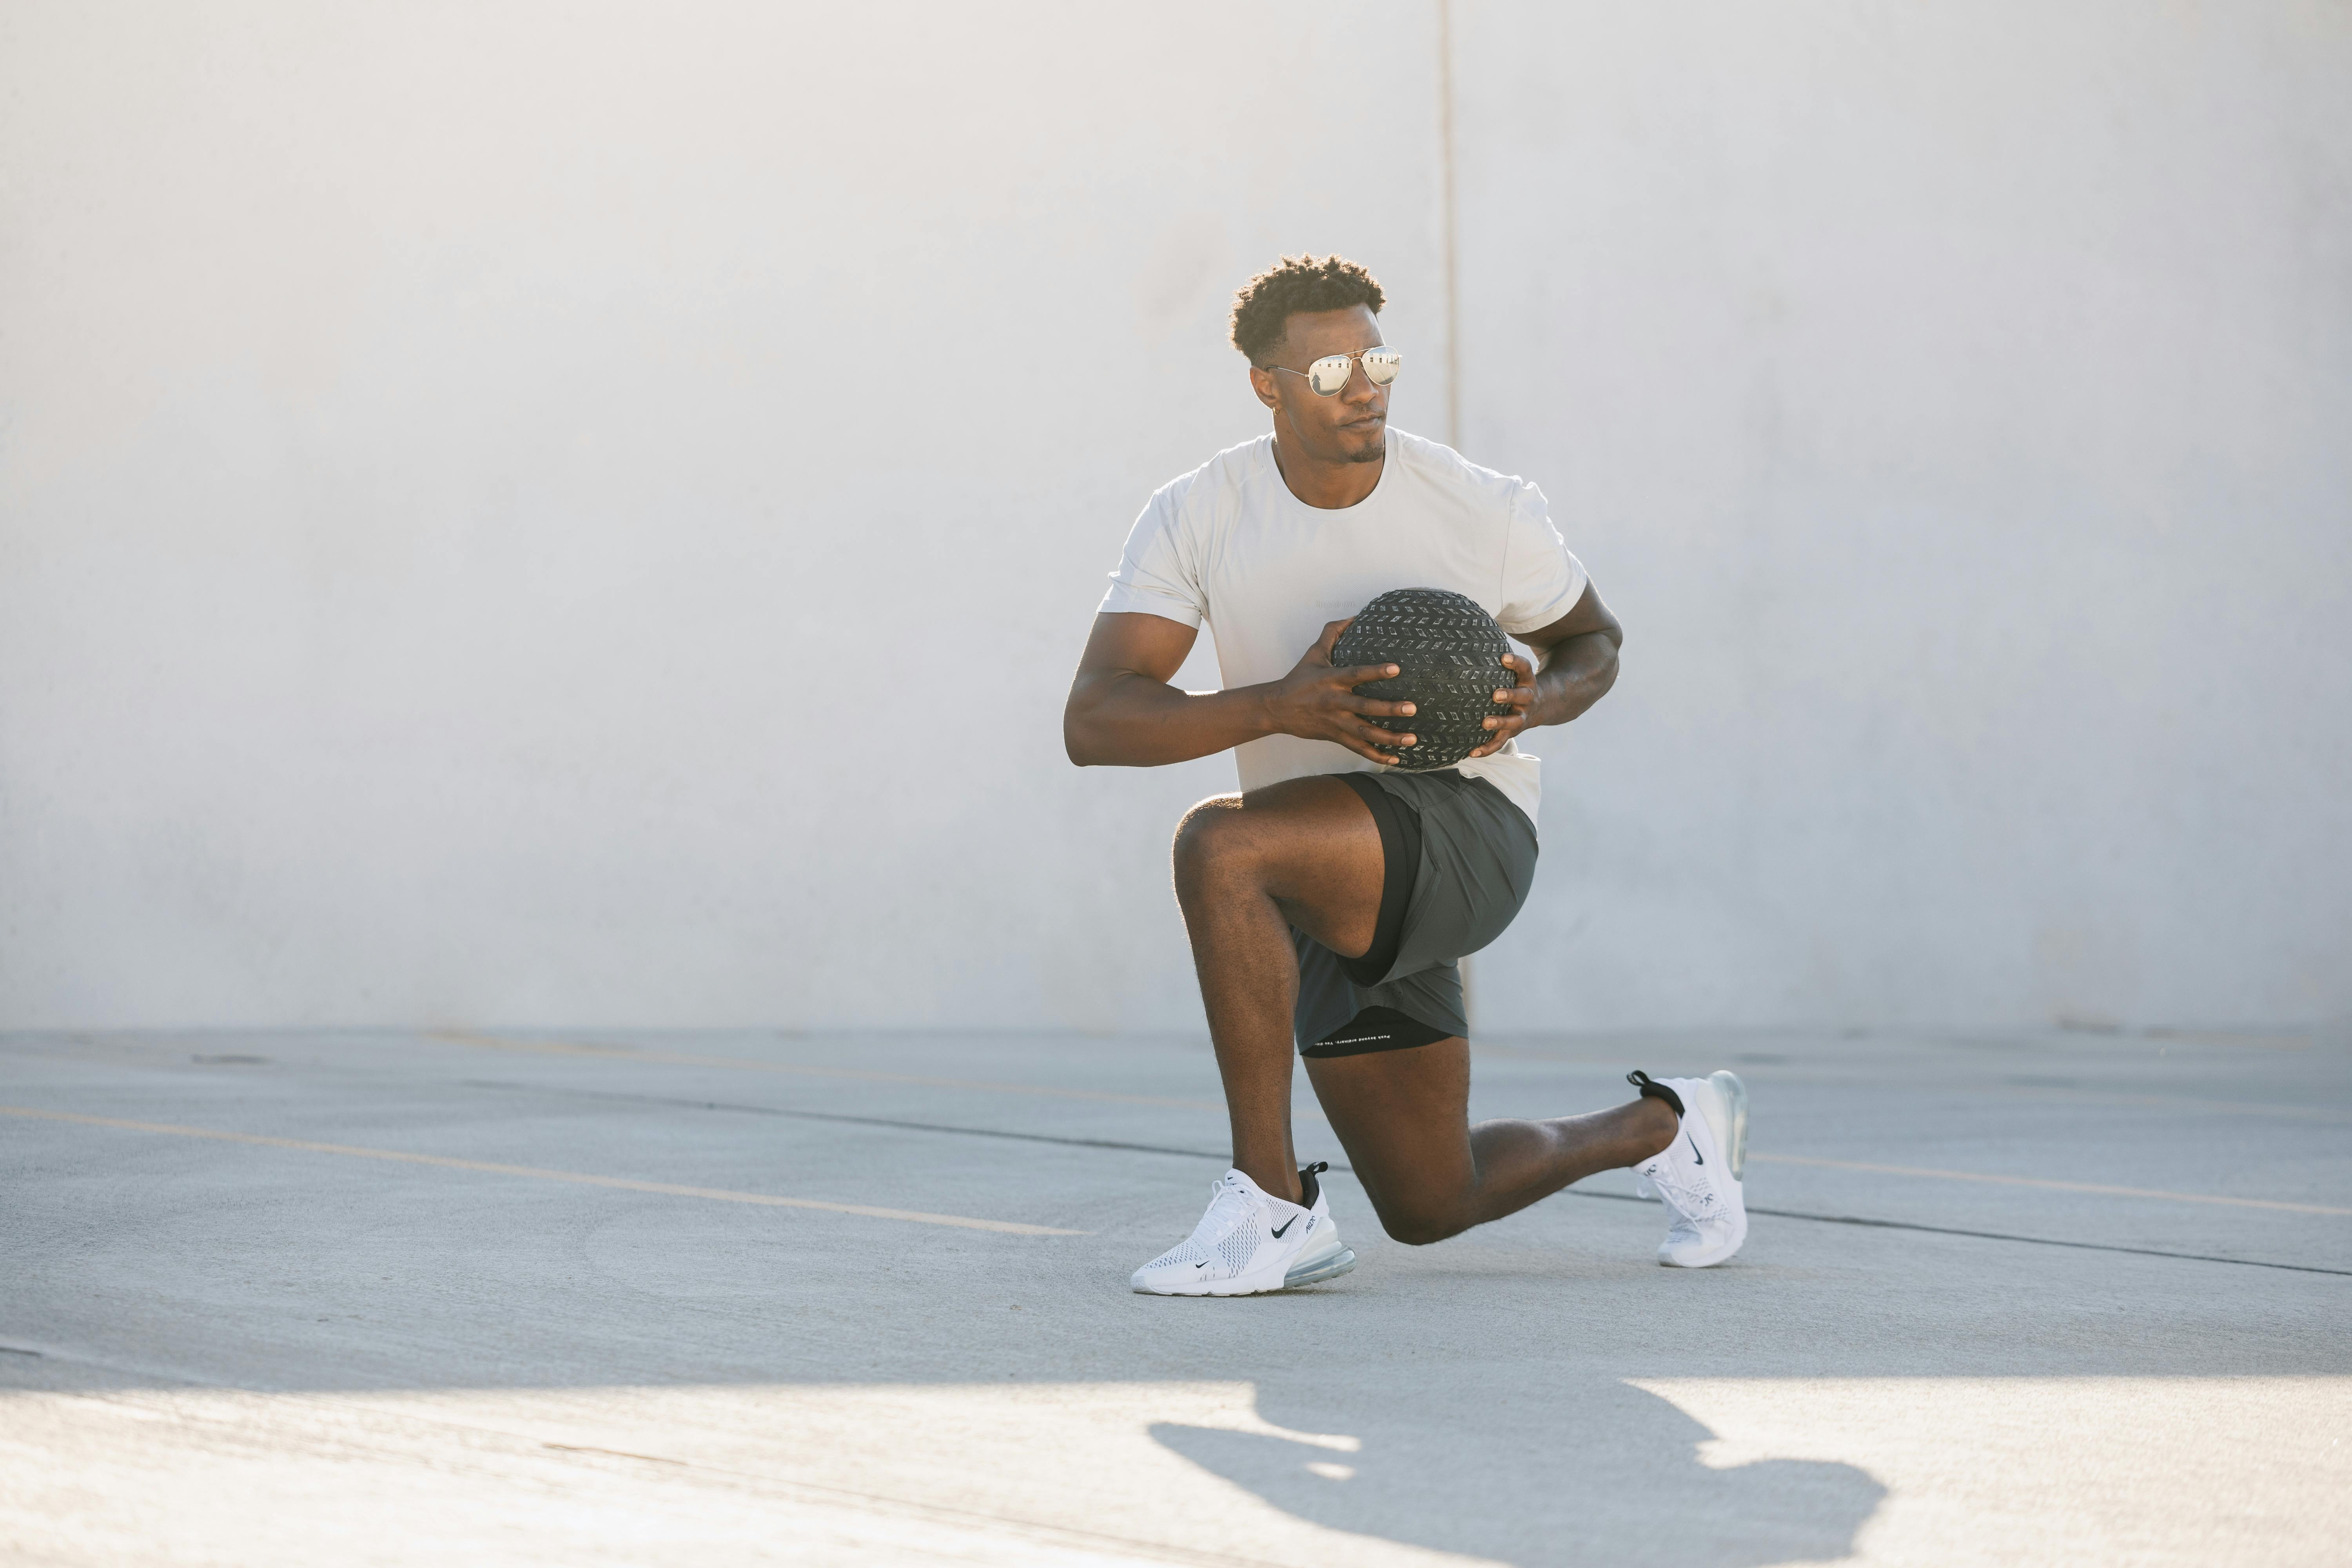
(1698, 1174)
(1250, 1242)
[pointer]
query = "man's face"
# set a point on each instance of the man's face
(1348, 427)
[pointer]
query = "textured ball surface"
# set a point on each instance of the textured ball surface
(1450, 653)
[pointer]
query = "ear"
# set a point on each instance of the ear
(1262, 383)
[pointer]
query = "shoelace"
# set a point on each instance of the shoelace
(1684, 1194)
(1228, 1209)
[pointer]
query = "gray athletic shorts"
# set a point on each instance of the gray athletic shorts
(1460, 858)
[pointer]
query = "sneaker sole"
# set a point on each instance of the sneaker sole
(1221, 1287)
(1709, 1259)
(1313, 1273)
(1700, 1263)
(1735, 1095)
(1316, 1273)
(1706, 1261)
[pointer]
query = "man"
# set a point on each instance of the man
(1328, 902)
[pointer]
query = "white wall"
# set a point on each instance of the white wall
(1956, 401)
(550, 515)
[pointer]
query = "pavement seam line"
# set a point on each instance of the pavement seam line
(1202, 1153)
(2042, 1241)
(1818, 1077)
(577, 1178)
(749, 1064)
(2049, 1184)
(1987, 1235)
(1343, 1167)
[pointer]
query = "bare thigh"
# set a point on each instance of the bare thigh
(1309, 845)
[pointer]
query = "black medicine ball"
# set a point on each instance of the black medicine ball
(1450, 653)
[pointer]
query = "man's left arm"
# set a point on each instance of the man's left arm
(1580, 665)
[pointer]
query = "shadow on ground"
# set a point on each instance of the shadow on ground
(1604, 1473)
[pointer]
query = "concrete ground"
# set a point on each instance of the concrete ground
(391, 1297)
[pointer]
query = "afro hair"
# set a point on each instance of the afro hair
(1263, 307)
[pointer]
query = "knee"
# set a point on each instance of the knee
(1418, 1224)
(1209, 838)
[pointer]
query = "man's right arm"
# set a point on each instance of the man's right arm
(1122, 712)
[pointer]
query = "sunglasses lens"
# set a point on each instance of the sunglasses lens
(1380, 365)
(1328, 374)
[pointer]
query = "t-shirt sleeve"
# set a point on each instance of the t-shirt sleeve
(1155, 575)
(1541, 581)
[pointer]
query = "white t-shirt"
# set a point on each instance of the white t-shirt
(1228, 544)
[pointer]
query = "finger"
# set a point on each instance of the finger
(1518, 662)
(1321, 651)
(1395, 740)
(1517, 696)
(1505, 725)
(1365, 674)
(1363, 749)
(1373, 708)
(1496, 744)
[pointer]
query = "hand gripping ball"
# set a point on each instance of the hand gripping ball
(1450, 653)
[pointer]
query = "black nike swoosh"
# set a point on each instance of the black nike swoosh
(1286, 1226)
(1695, 1154)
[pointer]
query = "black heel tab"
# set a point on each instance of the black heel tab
(1652, 1089)
(1308, 1187)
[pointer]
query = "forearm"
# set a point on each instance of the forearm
(1576, 674)
(1129, 719)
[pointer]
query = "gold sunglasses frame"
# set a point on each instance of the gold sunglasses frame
(1351, 361)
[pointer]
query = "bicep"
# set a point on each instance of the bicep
(1587, 616)
(1133, 643)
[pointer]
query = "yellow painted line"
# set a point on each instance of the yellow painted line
(752, 1064)
(578, 1178)
(2180, 1102)
(2282, 1041)
(2047, 1184)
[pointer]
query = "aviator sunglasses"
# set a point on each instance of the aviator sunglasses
(1329, 374)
